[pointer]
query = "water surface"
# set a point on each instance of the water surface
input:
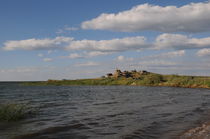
(105, 112)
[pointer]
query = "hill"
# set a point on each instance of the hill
(138, 78)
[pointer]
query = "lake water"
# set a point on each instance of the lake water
(105, 112)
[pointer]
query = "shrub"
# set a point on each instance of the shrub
(152, 79)
(14, 112)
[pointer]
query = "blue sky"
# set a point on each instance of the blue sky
(72, 39)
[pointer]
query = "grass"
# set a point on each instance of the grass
(14, 112)
(150, 79)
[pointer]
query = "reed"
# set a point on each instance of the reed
(14, 112)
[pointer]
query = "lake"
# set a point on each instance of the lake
(105, 112)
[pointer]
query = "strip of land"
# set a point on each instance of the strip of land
(136, 78)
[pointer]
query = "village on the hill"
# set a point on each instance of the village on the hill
(127, 74)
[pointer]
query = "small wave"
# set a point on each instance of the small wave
(139, 134)
(93, 123)
(165, 114)
(148, 132)
(198, 110)
(106, 103)
(154, 105)
(52, 130)
(107, 133)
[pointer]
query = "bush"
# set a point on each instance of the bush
(152, 79)
(14, 112)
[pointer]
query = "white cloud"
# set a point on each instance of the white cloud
(47, 59)
(204, 52)
(120, 58)
(178, 41)
(163, 41)
(193, 17)
(37, 44)
(114, 45)
(91, 48)
(172, 54)
(87, 64)
(68, 43)
(166, 55)
(86, 54)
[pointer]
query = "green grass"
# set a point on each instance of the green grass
(150, 79)
(14, 112)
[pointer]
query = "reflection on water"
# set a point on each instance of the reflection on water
(105, 112)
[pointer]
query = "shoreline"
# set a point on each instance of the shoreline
(135, 78)
(200, 132)
(60, 83)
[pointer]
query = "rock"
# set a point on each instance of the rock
(201, 132)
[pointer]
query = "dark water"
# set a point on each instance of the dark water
(105, 112)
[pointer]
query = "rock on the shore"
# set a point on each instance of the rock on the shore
(202, 132)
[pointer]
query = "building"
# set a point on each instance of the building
(109, 75)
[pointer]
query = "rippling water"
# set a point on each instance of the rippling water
(105, 112)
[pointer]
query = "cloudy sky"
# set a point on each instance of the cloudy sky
(71, 39)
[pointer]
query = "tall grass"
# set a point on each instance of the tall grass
(14, 112)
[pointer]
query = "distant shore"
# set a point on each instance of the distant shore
(135, 78)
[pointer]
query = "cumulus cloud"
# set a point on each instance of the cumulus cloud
(178, 41)
(171, 54)
(114, 45)
(91, 48)
(204, 52)
(166, 55)
(37, 44)
(163, 41)
(86, 54)
(68, 43)
(192, 17)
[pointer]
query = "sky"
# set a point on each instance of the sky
(74, 39)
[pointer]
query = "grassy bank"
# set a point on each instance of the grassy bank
(14, 112)
(150, 79)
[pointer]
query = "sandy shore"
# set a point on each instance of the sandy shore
(201, 132)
